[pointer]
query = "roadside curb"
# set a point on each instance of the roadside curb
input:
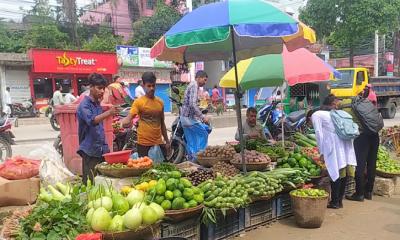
(33, 141)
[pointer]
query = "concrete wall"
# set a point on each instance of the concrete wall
(17, 79)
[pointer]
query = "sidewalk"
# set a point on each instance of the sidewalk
(377, 219)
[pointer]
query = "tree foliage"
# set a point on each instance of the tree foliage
(11, 40)
(346, 23)
(46, 36)
(147, 30)
(105, 40)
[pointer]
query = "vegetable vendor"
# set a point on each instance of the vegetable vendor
(92, 139)
(151, 129)
(252, 129)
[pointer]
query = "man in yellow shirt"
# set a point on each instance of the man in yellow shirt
(150, 110)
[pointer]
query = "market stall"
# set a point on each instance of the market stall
(137, 198)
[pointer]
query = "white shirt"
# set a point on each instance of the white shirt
(58, 98)
(7, 98)
(69, 98)
(139, 92)
(338, 153)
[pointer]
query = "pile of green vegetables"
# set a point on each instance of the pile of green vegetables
(158, 171)
(274, 152)
(225, 192)
(385, 163)
(56, 216)
(289, 177)
(308, 140)
(175, 193)
(309, 193)
(298, 160)
(260, 184)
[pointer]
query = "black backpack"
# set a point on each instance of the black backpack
(368, 114)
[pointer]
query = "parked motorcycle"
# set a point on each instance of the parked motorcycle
(26, 108)
(178, 141)
(271, 119)
(6, 138)
(52, 117)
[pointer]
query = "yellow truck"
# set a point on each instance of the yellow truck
(354, 80)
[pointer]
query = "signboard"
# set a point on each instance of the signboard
(129, 56)
(59, 61)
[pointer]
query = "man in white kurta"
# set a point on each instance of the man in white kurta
(337, 153)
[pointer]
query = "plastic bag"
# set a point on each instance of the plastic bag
(19, 167)
(196, 135)
(156, 154)
(52, 168)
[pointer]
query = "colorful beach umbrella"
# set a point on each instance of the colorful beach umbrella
(206, 33)
(237, 29)
(299, 66)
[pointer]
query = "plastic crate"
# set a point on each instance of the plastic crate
(188, 228)
(260, 213)
(350, 186)
(283, 206)
(230, 225)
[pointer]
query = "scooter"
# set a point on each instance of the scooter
(6, 138)
(178, 141)
(52, 117)
(26, 108)
(272, 118)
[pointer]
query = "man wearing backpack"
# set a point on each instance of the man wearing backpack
(366, 145)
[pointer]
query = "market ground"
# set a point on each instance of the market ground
(377, 219)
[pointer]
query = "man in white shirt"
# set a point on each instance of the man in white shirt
(69, 97)
(139, 90)
(58, 98)
(7, 102)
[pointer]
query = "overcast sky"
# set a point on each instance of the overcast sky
(10, 9)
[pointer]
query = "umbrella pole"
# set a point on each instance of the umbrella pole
(237, 100)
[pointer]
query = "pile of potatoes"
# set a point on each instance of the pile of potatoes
(251, 157)
(226, 151)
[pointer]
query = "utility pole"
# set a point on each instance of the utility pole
(376, 51)
(396, 53)
(192, 68)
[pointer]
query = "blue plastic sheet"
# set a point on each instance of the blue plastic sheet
(196, 135)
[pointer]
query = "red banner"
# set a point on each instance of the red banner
(59, 61)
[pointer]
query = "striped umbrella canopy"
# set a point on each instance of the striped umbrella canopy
(299, 66)
(206, 33)
(240, 29)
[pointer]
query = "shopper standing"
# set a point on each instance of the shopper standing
(366, 146)
(338, 154)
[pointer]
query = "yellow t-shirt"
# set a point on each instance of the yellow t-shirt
(150, 111)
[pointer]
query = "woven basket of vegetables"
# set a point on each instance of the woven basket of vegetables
(182, 214)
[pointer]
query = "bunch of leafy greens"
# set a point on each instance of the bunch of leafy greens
(56, 220)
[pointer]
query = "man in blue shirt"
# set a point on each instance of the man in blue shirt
(92, 142)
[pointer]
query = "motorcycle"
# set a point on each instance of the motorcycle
(125, 139)
(27, 108)
(178, 141)
(52, 117)
(6, 138)
(271, 119)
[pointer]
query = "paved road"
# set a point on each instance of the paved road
(33, 136)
